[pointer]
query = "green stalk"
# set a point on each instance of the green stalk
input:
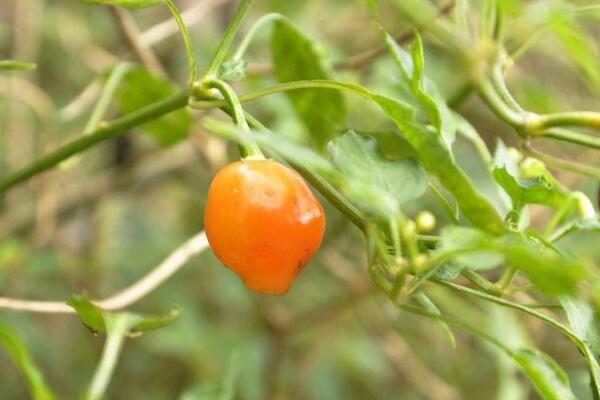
(507, 303)
(456, 323)
(586, 119)
(572, 137)
(581, 345)
(481, 282)
(566, 165)
(506, 279)
(488, 93)
(187, 41)
(248, 149)
(502, 89)
(113, 129)
(284, 87)
(213, 68)
(119, 325)
(231, 100)
(258, 25)
(112, 83)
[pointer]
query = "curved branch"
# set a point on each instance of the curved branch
(284, 87)
(173, 263)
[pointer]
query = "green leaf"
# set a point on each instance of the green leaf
(95, 318)
(529, 191)
(578, 226)
(18, 352)
(393, 145)
(437, 158)
(430, 306)
(424, 90)
(478, 258)
(296, 57)
(277, 144)
(581, 318)
(90, 315)
(127, 3)
(16, 65)
(551, 273)
(147, 322)
(376, 184)
(550, 381)
(432, 143)
(233, 70)
(448, 272)
(139, 89)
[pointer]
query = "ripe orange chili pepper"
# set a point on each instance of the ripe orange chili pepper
(263, 222)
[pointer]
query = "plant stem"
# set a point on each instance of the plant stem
(461, 95)
(565, 165)
(507, 303)
(284, 87)
(456, 323)
(502, 89)
(481, 282)
(115, 77)
(232, 28)
(258, 25)
(187, 41)
(488, 93)
(248, 149)
(497, 96)
(232, 101)
(119, 324)
(127, 296)
(581, 345)
(586, 119)
(113, 129)
(112, 83)
(506, 279)
(572, 137)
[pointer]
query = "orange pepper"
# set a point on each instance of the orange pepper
(263, 222)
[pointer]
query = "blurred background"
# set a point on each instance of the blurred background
(126, 204)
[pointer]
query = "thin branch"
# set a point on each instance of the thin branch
(191, 16)
(150, 37)
(164, 271)
(119, 326)
(572, 137)
(82, 101)
(131, 32)
(360, 60)
(562, 164)
(173, 263)
(113, 129)
(586, 119)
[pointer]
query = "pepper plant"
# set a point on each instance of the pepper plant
(485, 248)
